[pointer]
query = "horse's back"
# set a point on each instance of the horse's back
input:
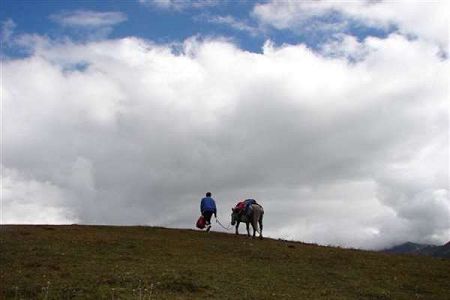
(258, 211)
(258, 207)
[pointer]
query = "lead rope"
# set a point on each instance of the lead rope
(226, 228)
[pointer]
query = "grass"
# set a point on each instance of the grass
(106, 262)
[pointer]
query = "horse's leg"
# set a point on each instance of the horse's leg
(248, 228)
(237, 227)
(254, 224)
(260, 226)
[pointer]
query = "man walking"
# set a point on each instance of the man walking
(208, 208)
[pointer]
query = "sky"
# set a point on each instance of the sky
(333, 115)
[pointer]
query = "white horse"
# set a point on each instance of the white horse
(255, 218)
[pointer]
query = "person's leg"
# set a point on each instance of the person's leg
(208, 215)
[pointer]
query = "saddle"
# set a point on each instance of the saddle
(245, 207)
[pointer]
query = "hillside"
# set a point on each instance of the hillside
(105, 262)
(421, 249)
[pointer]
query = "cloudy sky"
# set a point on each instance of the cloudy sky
(333, 115)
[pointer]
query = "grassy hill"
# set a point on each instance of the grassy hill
(105, 262)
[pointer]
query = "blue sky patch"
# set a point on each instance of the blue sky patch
(117, 19)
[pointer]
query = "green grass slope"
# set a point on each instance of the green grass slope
(103, 262)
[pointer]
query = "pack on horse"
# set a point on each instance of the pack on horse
(248, 212)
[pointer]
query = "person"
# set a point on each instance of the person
(208, 208)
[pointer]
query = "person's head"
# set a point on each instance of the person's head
(208, 194)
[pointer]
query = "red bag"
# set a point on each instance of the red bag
(240, 206)
(201, 222)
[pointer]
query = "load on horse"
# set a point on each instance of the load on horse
(248, 212)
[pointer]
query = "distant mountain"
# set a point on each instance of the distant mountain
(443, 251)
(421, 249)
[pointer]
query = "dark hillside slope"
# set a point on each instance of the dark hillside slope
(421, 249)
(442, 251)
(103, 262)
(408, 248)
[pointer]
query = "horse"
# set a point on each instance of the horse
(255, 218)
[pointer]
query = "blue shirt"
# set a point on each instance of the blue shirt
(208, 204)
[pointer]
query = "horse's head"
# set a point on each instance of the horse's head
(234, 216)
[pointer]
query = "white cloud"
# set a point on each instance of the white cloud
(179, 5)
(88, 19)
(286, 14)
(338, 152)
(411, 17)
(28, 201)
(88, 25)
(345, 46)
(231, 22)
(7, 31)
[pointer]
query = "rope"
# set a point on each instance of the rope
(226, 228)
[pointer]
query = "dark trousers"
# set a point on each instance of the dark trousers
(207, 215)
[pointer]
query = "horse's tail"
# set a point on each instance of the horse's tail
(258, 211)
